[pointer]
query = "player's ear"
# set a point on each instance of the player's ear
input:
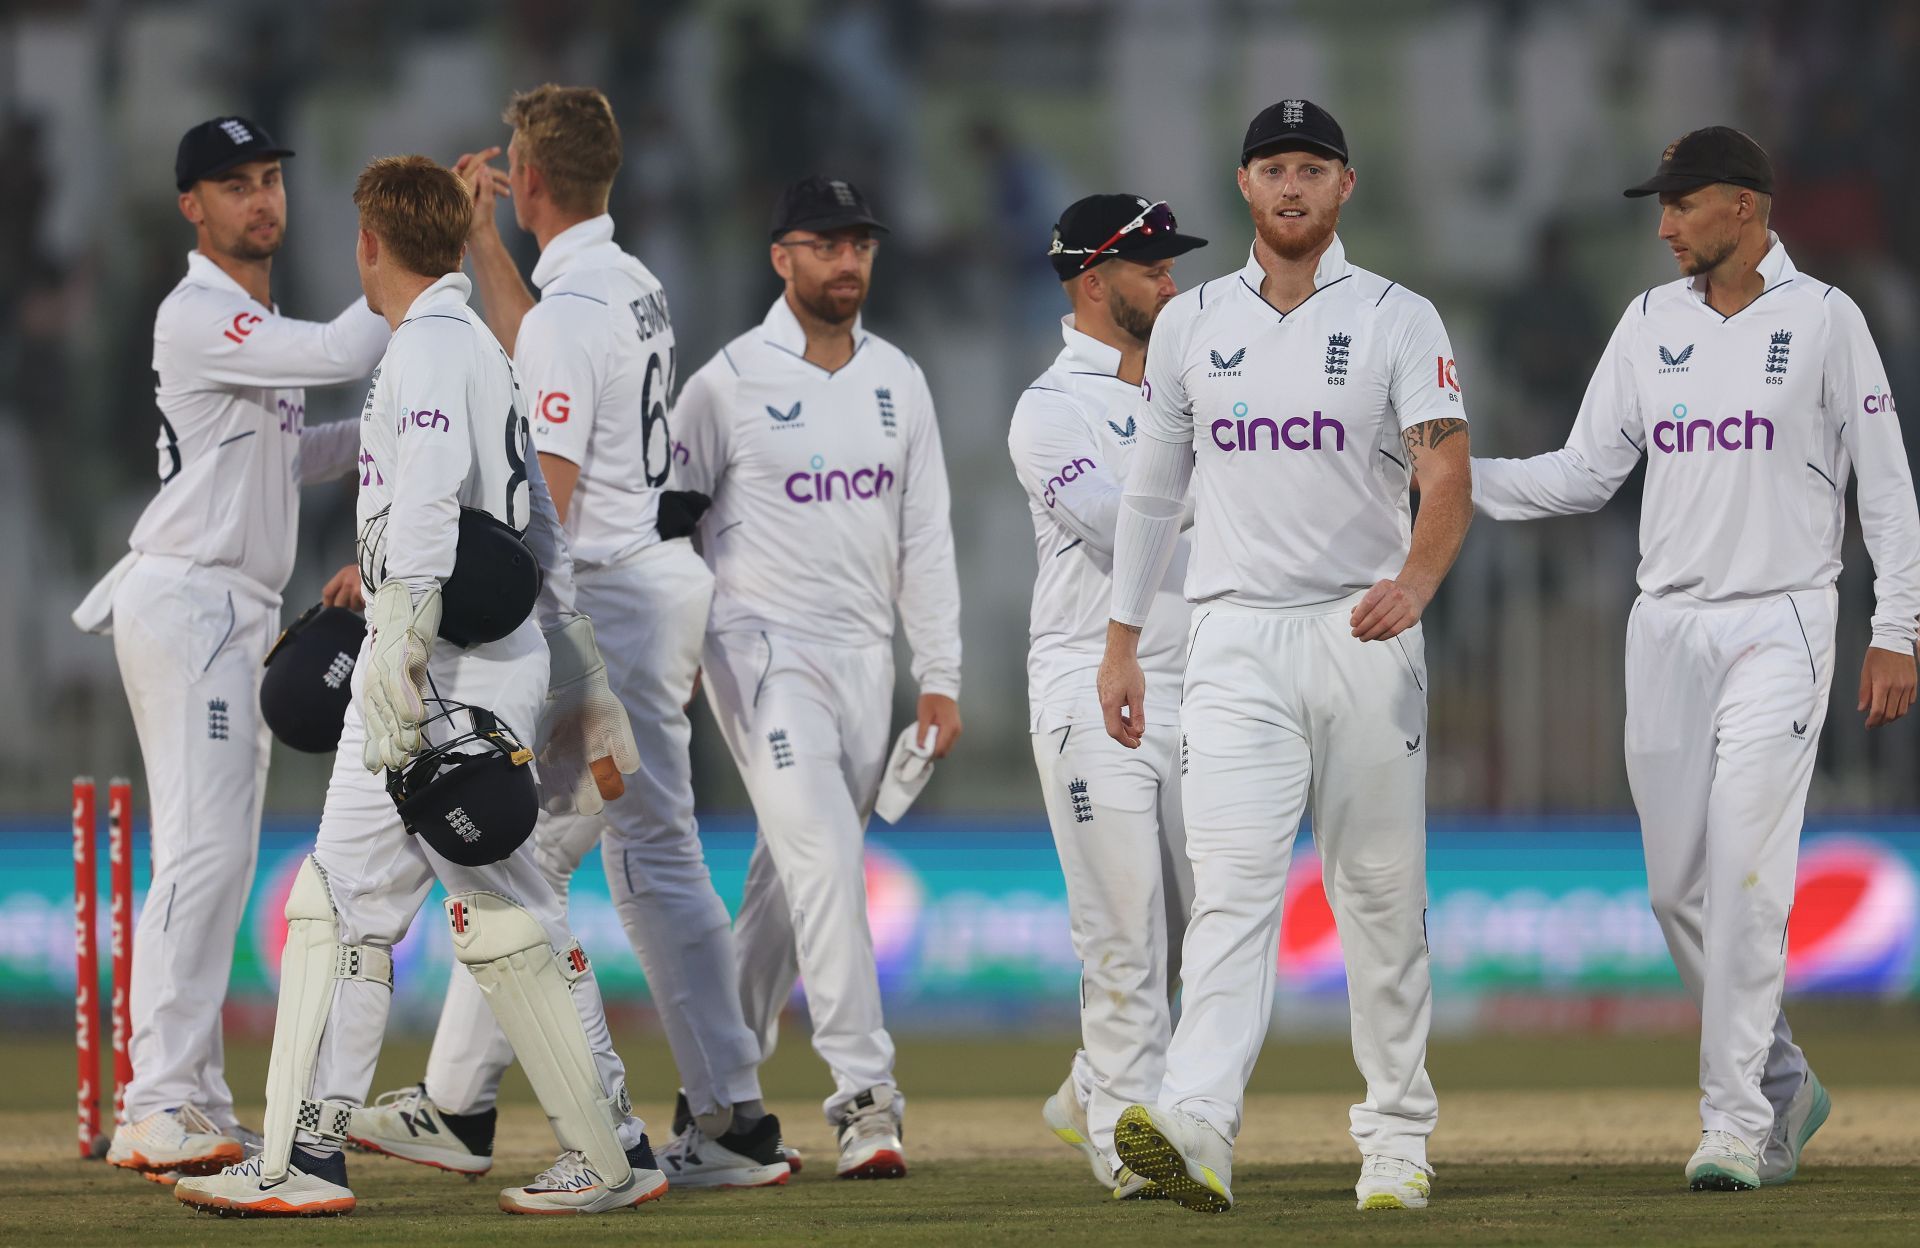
(1240, 176)
(190, 206)
(782, 262)
(1347, 178)
(368, 246)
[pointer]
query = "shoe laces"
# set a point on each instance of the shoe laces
(1725, 1144)
(1378, 1167)
(869, 1121)
(570, 1172)
(191, 1121)
(404, 1100)
(686, 1142)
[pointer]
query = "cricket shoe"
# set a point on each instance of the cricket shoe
(683, 1118)
(749, 1158)
(572, 1185)
(179, 1139)
(1723, 1163)
(405, 1124)
(1067, 1118)
(1180, 1153)
(870, 1146)
(315, 1187)
(1130, 1186)
(1805, 1114)
(1392, 1183)
(251, 1141)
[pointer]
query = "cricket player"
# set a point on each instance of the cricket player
(816, 441)
(442, 431)
(1754, 391)
(1115, 812)
(195, 605)
(1302, 397)
(597, 358)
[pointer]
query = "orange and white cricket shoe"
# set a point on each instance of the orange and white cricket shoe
(870, 1146)
(572, 1185)
(315, 1187)
(181, 1139)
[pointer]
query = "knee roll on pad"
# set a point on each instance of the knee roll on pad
(314, 958)
(529, 988)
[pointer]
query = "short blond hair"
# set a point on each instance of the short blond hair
(418, 209)
(570, 136)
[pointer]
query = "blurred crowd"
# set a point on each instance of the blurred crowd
(1491, 139)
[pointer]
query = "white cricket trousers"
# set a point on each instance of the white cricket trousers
(190, 641)
(378, 874)
(1118, 827)
(1724, 708)
(1280, 707)
(807, 725)
(649, 616)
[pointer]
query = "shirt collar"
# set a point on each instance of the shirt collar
(453, 288)
(205, 271)
(565, 249)
(1332, 267)
(1774, 267)
(782, 329)
(1085, 353)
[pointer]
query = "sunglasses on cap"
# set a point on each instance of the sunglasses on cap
(1154, 219)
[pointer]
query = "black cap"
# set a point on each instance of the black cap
(1292, 126)
(1088, 227)
(218, 145)
(1703, 157)
(820, 204)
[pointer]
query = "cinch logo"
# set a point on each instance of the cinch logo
(824, 486)
(1066, 476)
(554, 406)
(1296, 433)
(1735, 433)
(1672, 363)
(1227, 366)
(1874, 404)
(424, 419)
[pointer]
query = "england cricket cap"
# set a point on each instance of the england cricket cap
(1703, 157)
(820, 204)
(1293, 126)
(216, 146)
(1102, 227)
(308, 682)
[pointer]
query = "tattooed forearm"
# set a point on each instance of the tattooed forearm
(1428, 435)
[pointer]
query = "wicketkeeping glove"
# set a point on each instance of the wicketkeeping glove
(589, 742)
(393, 691)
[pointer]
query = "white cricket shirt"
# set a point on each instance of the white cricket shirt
(1299, 475)
(1751, 424)
(234, 446)
(1073, 433)
(441, 429)
(829, 495)
(596, 355)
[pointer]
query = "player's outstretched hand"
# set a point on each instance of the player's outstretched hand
(1887, 682)
(487, 184)
(944, 714)
(1123, 686)
(343, 590)
(1389, 609)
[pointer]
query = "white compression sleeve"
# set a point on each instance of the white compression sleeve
(1149, 529)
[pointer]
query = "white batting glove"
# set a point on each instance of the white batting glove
(393, 692)
(589, 740)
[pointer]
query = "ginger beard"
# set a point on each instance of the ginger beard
(831, 290)
(1294, 217)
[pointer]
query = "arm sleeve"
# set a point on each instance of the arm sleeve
(1153, 506)
(328, 450)
(227, 343)
(548, 542)
(432, 374)
(1856, 397)
(1425, 385)
(1061, 465)
(929, 594)
(559, 355)
(699, 422)
(1608, 437)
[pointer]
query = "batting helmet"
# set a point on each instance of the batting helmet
(472, 797)
(494, 583)
(309, 678)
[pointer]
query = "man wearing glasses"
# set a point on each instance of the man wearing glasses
(1115, 812)
(816, 442)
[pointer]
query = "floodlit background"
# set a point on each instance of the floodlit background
(1491, 140)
